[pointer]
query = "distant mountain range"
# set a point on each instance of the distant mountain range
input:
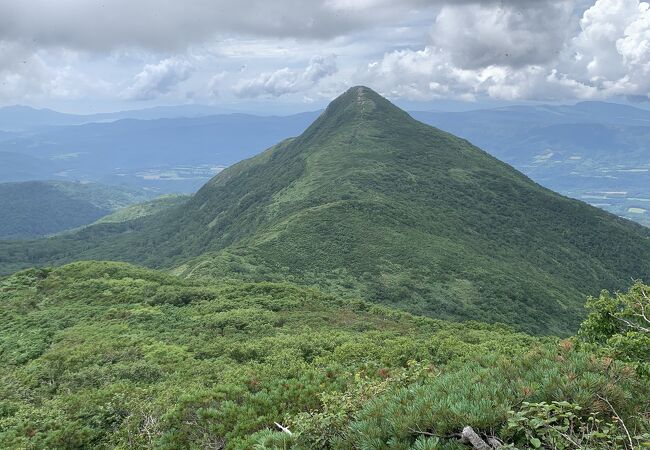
(370, 203)
(170, 155)
(594, 151)
(23, 118)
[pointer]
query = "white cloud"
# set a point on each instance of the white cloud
(514, 34)
(28, 75)
(172, 24)
(215, 83)
(287, 81)
(612, 51)
(523, 51)
(635, 45)
(415, 49)
(158, 79)
(419, 75)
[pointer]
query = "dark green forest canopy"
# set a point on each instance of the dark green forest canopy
(39, 208)
(370, 203)
(108, 355)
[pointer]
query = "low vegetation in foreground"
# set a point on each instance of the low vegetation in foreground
(109, 355)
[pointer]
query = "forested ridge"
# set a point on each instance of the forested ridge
(374, 283)
(370, 203)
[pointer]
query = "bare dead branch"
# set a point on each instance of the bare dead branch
(494, 442)
(619, 419)
(469, 436)
(633, 325)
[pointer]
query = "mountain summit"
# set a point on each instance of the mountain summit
(369, 202)
(360, 103)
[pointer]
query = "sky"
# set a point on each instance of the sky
(88, 56)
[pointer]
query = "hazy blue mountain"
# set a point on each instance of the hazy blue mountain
(20, 167)
(18, 117)
(171, 155)
(162, 112)
(22, 118)
(543, 115)
(4, 135)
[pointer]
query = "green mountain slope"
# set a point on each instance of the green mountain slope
(369, 202)
(38, 208)
(144, 209)
(108, 355)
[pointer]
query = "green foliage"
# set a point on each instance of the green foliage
(144, 209)
(105, 355)
(370, 203)
(108, 355)
(619, 326)
(564, 426)
(38, 208)
(551, 396)
(327, 427)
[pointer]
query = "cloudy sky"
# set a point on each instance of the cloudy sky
(281, 55)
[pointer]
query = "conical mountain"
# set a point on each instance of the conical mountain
(369, 202)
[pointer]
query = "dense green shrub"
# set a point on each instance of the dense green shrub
(619, 326)
(98, 354)
(524, 402)
(563, 426)
(108, 355)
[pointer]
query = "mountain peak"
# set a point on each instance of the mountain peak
(362, 100)
(359, 104)
(361, 94)
(359, 91)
